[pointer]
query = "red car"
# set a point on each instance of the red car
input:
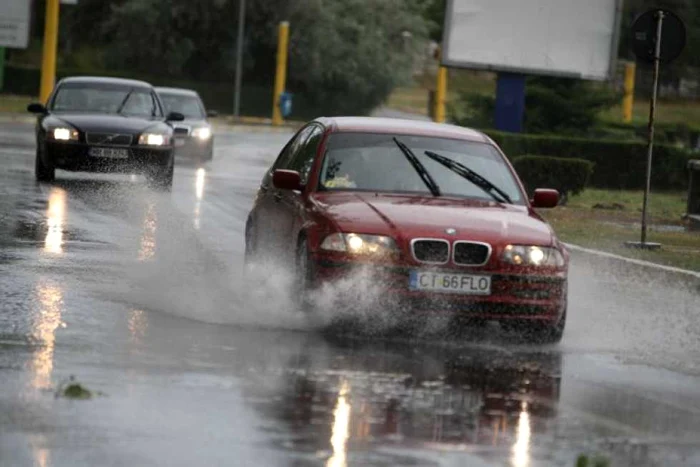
(435, 211)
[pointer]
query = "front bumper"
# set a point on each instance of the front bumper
(74, 156)
(534, 297)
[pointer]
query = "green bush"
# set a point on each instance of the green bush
(618, 164)
(567, 175)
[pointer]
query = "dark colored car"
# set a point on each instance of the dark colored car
(435, 212)
(194, 137)
(96, 124)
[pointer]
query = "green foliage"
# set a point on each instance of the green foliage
(618, 164)
(564, 106)
(345, 57)
(567, 175)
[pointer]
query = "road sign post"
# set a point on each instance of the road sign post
(658, 36)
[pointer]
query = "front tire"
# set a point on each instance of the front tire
(303, 275)
(42, 171)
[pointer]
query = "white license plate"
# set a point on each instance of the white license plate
(467, 284)
(179, 142)
(109, 153)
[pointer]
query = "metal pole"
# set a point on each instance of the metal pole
(48, 61)
(440, 94)
(239, 59)
(281, 71)
(652, 112)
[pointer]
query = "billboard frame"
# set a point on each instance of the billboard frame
(614, 46)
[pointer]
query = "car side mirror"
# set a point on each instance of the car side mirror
(212, 113)
(36, 108)
(545, 198)
(175, 117)
(287, 180)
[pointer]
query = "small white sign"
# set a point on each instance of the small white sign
(14, 23)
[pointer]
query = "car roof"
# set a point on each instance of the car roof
(179, 91)
(401, 126)
(107, 80)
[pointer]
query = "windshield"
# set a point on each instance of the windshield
(189, 106)
(373, 162)
(105, 99)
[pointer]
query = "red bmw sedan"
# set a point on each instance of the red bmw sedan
(435, 212)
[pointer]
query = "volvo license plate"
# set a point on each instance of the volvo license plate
(109, 153)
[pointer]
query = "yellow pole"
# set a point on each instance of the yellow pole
(281, 74)
(48, 61)
(440, 94)
(628, 99)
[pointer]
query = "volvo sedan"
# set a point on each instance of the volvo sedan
(96, 124)
(435, 212)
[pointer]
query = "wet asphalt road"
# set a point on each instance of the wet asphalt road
(141, 297)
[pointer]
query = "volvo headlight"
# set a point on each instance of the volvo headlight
(202, 133)
(64, 134)
(153, 139)
(525, 255)
(359, 244)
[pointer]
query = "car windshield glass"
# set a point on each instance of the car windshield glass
(103, 99)
(189, 106)
(373, 162)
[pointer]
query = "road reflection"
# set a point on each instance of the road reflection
(200, 180)
(55, 216)
(341, 428)
(147, 249)
(47, 319)
(421, 395)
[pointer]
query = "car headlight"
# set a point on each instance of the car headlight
(202, 133)
(64, 134)
(153, 139)
(525, 255)
(359, 244)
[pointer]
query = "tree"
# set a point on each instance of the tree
(345, 56)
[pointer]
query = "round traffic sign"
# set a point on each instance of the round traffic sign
(644, 35)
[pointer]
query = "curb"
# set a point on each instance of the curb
(637, 262)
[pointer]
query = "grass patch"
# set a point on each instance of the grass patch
(686, 112)
(15, 104)
(607, 229)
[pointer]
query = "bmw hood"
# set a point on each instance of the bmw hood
(405, 216)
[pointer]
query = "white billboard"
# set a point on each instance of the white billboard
(575, 38)
(14, 23)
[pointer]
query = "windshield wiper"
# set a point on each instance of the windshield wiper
(420, 168)
(123, 103)
(463, 171)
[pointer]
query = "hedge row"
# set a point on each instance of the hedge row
(567, 175)
(618, 164)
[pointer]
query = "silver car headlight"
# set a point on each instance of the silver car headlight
(531, 255)
(359, 244)
(64, 134)
(153, 139)
(203, 133)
